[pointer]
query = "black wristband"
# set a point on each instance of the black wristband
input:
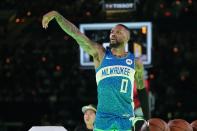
(144, 102)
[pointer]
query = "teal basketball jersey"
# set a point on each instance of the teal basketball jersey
(115, 82)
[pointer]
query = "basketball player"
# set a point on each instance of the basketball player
(116, 70)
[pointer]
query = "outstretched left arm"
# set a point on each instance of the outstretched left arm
(143, 97)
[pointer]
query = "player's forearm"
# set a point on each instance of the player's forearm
(75, 33)
(143, 97)
(140, 83)
(67, 26)
(144, 102)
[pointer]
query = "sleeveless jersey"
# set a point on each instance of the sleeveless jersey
(115, 82)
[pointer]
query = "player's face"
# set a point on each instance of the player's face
(118, 36)
(89, 117)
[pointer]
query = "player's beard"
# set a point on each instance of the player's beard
(114, 44)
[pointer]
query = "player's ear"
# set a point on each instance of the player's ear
(128, 35)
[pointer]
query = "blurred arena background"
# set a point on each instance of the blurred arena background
(42, 82)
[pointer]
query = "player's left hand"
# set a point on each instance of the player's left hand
(145, 127)
(140, 124)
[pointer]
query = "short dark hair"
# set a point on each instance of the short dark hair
(124, 27)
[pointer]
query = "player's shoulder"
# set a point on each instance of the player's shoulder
(99, 47)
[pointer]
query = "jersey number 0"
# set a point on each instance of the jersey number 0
(124, 85)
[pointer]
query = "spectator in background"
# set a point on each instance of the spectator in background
(89, 118)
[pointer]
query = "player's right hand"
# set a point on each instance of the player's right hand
(47, 18)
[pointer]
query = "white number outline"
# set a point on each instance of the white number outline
(124, 85)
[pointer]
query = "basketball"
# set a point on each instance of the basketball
(156, 124)
(194, 125)
(179, 125)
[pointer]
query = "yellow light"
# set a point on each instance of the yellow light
(175, 50)
(28, 13)
(137, 50)
(7, 60)
(144, 30)
(152, 76)
(17, 20)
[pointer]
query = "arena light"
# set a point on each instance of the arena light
(144, 30)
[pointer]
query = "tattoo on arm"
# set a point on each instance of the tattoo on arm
(74, 32)
(139, 75)
(66, 25)
(140, 84)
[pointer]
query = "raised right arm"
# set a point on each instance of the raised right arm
(92, 48)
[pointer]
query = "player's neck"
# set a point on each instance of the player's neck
(89, 126)
(119, 52)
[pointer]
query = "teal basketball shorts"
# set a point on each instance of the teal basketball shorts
(112, 123)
